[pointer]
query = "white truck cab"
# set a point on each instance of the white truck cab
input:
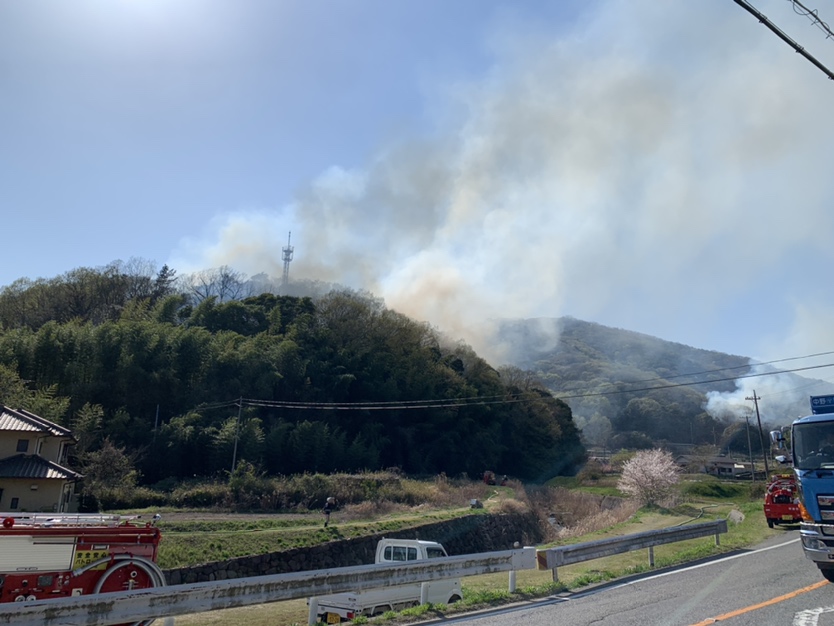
(339, 607)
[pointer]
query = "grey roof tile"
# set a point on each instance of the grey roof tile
(24, 421)
(34, 466)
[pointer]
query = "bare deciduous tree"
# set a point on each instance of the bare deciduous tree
(649, 476)
(223, 283)
(138, 273)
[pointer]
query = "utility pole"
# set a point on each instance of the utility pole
(237, 433)
(750, 449)
(755, 400)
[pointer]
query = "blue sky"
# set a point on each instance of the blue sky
(663, 167)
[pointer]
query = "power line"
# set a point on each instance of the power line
(360, 406)
(489, 400)
(753, 11)
(217, 405)
(374, 405)
(795, 389)
(514, 398)
(703, 382)
(812, 15)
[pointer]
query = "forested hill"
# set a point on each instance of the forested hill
(572, 353)
(628, 389)
(181, 384)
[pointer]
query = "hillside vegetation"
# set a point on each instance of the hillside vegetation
(161, 385)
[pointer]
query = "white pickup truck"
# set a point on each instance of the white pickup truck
(339, 607)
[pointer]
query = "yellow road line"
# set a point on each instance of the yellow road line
(761, 605)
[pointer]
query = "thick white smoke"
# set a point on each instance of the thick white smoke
(781, 397)
(639, 170)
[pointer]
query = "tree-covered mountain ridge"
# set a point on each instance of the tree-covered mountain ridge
(629, 389)
(569, 352)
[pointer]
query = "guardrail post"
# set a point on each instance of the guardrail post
(512, 581)
(717, 538)
(424, 593)
(651, 556)
(313, 617)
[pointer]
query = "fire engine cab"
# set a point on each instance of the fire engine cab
(60, 555)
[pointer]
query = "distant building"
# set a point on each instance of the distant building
(721, 466)
(33, 456)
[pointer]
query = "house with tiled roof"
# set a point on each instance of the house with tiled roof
(721, 466)
(33, 457)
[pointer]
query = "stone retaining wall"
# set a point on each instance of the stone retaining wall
(463, 535)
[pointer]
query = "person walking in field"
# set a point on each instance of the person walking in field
(329, 505)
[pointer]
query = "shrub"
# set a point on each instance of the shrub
(513, 506)
(201, 495)
(109, 498)
(757, 491)
(715, 489)
(591, 472)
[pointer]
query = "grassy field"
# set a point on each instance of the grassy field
(700, 501)
(217, 537)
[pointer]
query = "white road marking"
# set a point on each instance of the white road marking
(811, 617)
(710, 563)
(534, 604)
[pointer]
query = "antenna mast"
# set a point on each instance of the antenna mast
(287, 257)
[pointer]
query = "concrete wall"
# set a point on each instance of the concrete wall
(465, 535)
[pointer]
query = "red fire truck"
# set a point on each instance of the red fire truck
(781, 505)
(61, 555)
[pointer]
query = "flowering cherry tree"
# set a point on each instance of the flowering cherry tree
(649, 476)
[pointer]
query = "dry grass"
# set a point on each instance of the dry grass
(570, 513)
(598, 521)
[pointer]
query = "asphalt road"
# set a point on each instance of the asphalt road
(772, 584)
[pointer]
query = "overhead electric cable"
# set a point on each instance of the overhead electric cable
(218, 405)
(753, 11)
(812, 15)
(508, 399)
(359, 406)
(794, 389)
(511, 397)
(717, 380)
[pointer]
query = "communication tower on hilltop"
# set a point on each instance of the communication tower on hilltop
(287, 257)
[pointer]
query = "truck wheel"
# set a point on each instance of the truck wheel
(769, 523)
(827, 573)
(131, 573)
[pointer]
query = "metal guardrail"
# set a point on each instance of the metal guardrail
(552, 558)
(143, 604)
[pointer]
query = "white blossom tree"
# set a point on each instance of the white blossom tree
(649, 476)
